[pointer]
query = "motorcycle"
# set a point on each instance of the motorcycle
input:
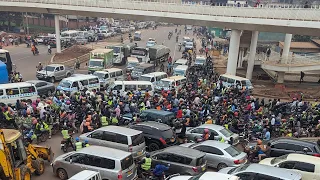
(65, 145)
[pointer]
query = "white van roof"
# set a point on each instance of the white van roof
(153, 74)
(132, 82)
(112, 69)
(234, 77)
(3, 51)
(101, 51)
(83, 174)
(15, 85)
(173, 78)
(80, 77)
(132, 59)
(200, 57)
(182, 67)
(181, 61)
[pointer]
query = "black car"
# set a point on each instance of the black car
(43, 87)
(157, 135)
(282, 146)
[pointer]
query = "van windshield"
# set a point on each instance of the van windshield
(179, 72)
(164, 83)
(65, 84)
(246, 83)
(137, 139)
(100, 75)
(126, 162)
(144, 78)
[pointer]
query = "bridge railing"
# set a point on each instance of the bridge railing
(300, 14)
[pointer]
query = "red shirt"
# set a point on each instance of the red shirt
(179, 113)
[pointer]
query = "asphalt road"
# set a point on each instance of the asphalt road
(24, 58)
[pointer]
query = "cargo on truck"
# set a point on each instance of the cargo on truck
(158, 54)
(100, 59)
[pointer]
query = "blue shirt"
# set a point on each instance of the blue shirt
(159, 169)
(267, 136)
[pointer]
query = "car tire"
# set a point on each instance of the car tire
(38, 165)
(221, 166)
(62, 174)
(153, 146)
(68, 75)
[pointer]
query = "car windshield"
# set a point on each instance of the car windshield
(138, 70)
(232, 151)
(65, 84)
(200, 61)
(132, 64)
(99, 75)
(246, 83)
(96, 63)
(197, 177)
(238, 169)
(164, 83)
(150, 43)
(226, 132)
(179, 72)
(49, 68)
(144, 78)
(189, 44)
(126, 162)
(138, 52)
(137, 139)
(116, 49)
(279, 159)
(166, 134)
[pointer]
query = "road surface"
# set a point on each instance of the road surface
(161, 35)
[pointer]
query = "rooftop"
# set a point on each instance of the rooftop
(301, 45)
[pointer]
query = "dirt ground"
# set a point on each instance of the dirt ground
(263, 88)
(71, 53)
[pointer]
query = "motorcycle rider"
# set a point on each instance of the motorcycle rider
(159, 171)
(49, 49)
(145, 164)
(9, 119)
(43, 126)
(206, 134)
(78, 144)
(66, 136)
(39, 67)
(86, 143)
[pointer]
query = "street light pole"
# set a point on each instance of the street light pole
(27, 23)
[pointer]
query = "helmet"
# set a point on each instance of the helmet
(68, 102)
(206, 130)
(208, 117)
(34, 121)
(236, 114)
(147, 155)
(65, 127)
(77, 139)
(86, 141)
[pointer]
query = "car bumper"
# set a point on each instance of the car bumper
(42, 77)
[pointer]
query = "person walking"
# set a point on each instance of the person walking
(301, 76)
(268, 53)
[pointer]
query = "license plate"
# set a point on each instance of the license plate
(129, 173)
(139, 153)
(62, 145)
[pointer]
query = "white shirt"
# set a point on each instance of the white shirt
(273, 121)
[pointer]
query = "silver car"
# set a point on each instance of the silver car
(216, 132)
(117, 137)
(261, 172)
(219, 155)
(112, 164)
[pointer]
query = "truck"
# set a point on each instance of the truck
(100, 59)
(141, 54)
(54, 72)
(19, 160)
(158, 54)
(120, 53)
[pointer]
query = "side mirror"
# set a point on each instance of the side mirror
(277, 165)
(70, 160)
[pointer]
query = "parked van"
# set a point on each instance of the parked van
(180, 62)
(112, 164)
(153, 77)
(10, 93)
(125, 86)
(181, 70)
(78, 83)
(107, 76)
(143, 68)
(118, 137)
(171, 82)
(235, 81)
(86, 175)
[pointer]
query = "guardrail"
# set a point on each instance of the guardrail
(272, 12)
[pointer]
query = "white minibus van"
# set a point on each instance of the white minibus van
(173, 82)
(153, 77)
(125, 86)
(181, 70)
(235, 81)
(10, 93)
(180, 62)
(86, 175)
(107, 76)
(78, 83)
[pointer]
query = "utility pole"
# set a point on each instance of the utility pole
(27, 23)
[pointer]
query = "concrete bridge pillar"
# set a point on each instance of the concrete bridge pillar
(280, 79)
(253, 47)
(286, 48)
(57, 29)
(233, 52)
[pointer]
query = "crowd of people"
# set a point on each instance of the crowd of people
(203, 99)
